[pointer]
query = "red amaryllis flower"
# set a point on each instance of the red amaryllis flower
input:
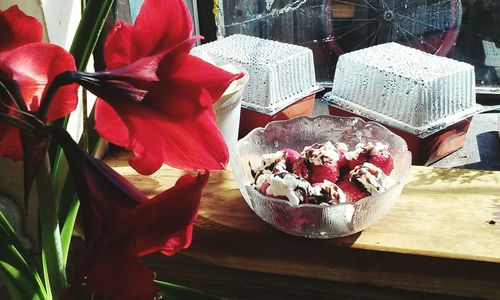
(33, 65)
(121, 224)
(166, 114)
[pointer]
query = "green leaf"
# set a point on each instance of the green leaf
(88, 31)
(51, 249)
(71, 212)
(84, 42)
(10, 238)
(12, 288)
(16, 268)
(176, 292)
(87, 34)
(16, 287)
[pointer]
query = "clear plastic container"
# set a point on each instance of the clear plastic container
(428, 149)
(280, 73)
(252, 119)
(331, 28)
(404, 88)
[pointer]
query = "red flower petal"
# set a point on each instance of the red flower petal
(133, 81)
(145, 162)
(175, 58)
(140, 73)
(10, 139)
(196, 79)
(17, 29)
(178, 241)
(191, 144)
(121, 224)
(181, 130)
(161, 222)
(159, 25)
(10, 142)
(116, 270)
(118, 47)
(113, 124)
(113, 269)
(34, 66)
(187, 93)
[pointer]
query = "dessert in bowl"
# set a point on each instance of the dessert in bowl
(321, 209)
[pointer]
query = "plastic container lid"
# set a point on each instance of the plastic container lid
(280, 73)
(404, 88)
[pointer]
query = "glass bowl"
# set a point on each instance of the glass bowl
(311, 220)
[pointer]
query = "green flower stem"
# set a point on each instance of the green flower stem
(84, 41)
(51, 249)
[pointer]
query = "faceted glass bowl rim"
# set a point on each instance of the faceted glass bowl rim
(402, 178)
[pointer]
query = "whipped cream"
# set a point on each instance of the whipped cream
(341, 146)
(270, 163)
(368, 148)
(285, 184)
(372, 178)
(289, 175)
(319, 154)
(328, 191)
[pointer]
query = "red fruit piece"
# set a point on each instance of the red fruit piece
(328, 171)
(300, 168)
(383, 160)
(290, 157)
(375, 154)
(359, 155)
(352, 191)
(352, 163)
(343, 162)
(263, 188)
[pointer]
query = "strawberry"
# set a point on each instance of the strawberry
(375, 154)
(383, 160)
(300, 168)
(352, 163)
(263, 188)
(343, 162)
(328, 171)
(290, 157)
(351, 190)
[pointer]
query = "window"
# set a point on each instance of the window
(468, 31)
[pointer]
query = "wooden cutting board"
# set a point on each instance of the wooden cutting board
(441, 236)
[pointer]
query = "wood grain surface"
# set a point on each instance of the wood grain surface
(442, 236)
